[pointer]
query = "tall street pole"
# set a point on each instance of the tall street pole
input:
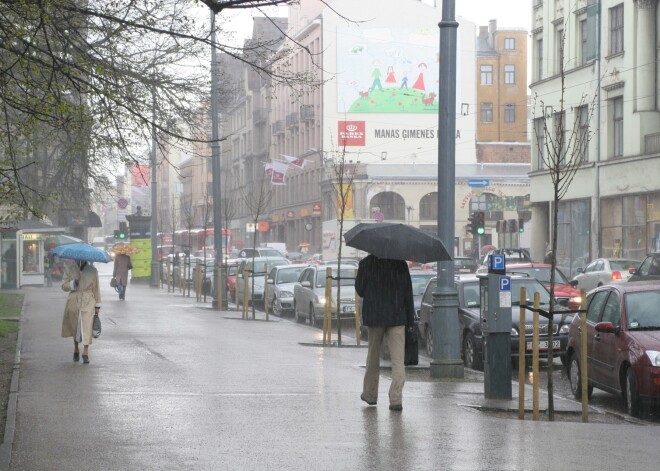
(446, 362)
(154, 199)
(218, 275)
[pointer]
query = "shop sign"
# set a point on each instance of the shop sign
(263, 226)
(304, 212)
(316, 208)
(32, 236)
(290, 214)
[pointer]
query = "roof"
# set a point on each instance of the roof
(32, 225)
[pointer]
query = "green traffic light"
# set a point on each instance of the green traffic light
(481, 230)
(122, 236)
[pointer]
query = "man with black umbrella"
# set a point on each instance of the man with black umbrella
(387, 309)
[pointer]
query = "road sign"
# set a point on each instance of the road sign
(122, 203)
(496, 264)
(475, 182)
(379, 217)
(505, 283)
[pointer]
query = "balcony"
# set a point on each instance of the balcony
(259, 115)
(292, 120)
(278, 127)
(307, 113)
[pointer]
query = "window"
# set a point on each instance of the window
(539, 59)
(582, 141)
(616, 29)
(617, 122)
(596, 306)
(559, 120)
(486, 75)
(611, 311)
(583, 42)
(509, 44)
(539, 131)
(509, 74)
(486, 112)
(559, 50)
(509, 113)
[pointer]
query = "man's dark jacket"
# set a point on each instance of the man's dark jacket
(386, 289)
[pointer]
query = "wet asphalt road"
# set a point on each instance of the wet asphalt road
(172, 386)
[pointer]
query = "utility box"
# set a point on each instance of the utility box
(496, 324)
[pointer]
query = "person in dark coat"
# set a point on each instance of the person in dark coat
(387, 309)
(120, 272)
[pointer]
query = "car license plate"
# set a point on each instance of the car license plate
(543, 345)
(348, 309)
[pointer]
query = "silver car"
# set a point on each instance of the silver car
(602, 271)
(257, 270)
(309, 293)
(280, 287)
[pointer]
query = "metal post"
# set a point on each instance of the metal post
(522, 348)
(535, 358)
(584, 377)
(154, 198)
(446, 361)
(218, 277)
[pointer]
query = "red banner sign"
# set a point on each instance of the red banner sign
(352, 133)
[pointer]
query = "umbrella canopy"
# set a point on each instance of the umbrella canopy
(83, 252)
(487, 248)
(396, 241)
(125, 249)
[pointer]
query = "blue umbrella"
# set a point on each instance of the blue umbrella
(83, 252)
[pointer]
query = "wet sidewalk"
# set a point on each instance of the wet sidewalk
(173, 385)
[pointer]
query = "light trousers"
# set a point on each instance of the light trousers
(396, 341)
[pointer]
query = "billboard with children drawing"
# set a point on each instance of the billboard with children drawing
(388, 70)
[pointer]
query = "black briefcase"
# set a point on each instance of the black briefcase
(411, 356)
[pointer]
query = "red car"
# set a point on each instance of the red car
(565, 293)
(232, 270)
(623, 344)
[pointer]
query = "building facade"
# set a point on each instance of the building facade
(610, 109)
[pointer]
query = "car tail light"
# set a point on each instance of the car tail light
(426, 266)
(616, 275)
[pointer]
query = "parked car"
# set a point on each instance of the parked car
(565, 293)
(309, 293)
(230, 279)
(260, 252)
(295, 257)
(280, 287)
(649, 269)
(602, 271)
(470, 334)
(420, 278)
(257, 273)
(461, 265)
(623, 344)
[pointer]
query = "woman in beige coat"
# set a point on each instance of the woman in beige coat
(81, 280)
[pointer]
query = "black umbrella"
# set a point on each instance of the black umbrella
(396, 241)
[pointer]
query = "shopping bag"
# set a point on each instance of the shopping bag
(96, 326)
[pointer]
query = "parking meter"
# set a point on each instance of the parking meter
(495, 310)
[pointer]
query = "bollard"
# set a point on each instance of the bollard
(358, 311)
(584, 377)
(266, 290)
(220, 288)
(236, 292)
(535, 358)
(327, 308)
(168, 267)
(522, 349)
(245, 291)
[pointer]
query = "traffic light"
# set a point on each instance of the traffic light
(123, 230)
(480, 223)
(521, 225)
(116, 233)
(471, 227)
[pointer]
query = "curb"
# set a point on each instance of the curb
(10, 423)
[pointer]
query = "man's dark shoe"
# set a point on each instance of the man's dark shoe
(396, 407)
(371, 403)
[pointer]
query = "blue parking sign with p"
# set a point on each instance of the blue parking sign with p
(497, 264)
(505, 283)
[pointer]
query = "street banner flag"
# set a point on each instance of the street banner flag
(279, 172)
(269, 169)
(295, 161)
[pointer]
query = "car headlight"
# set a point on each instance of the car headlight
(286, 294)
(514, 332)
(564, 329)
(575, 300)
(654, 356)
